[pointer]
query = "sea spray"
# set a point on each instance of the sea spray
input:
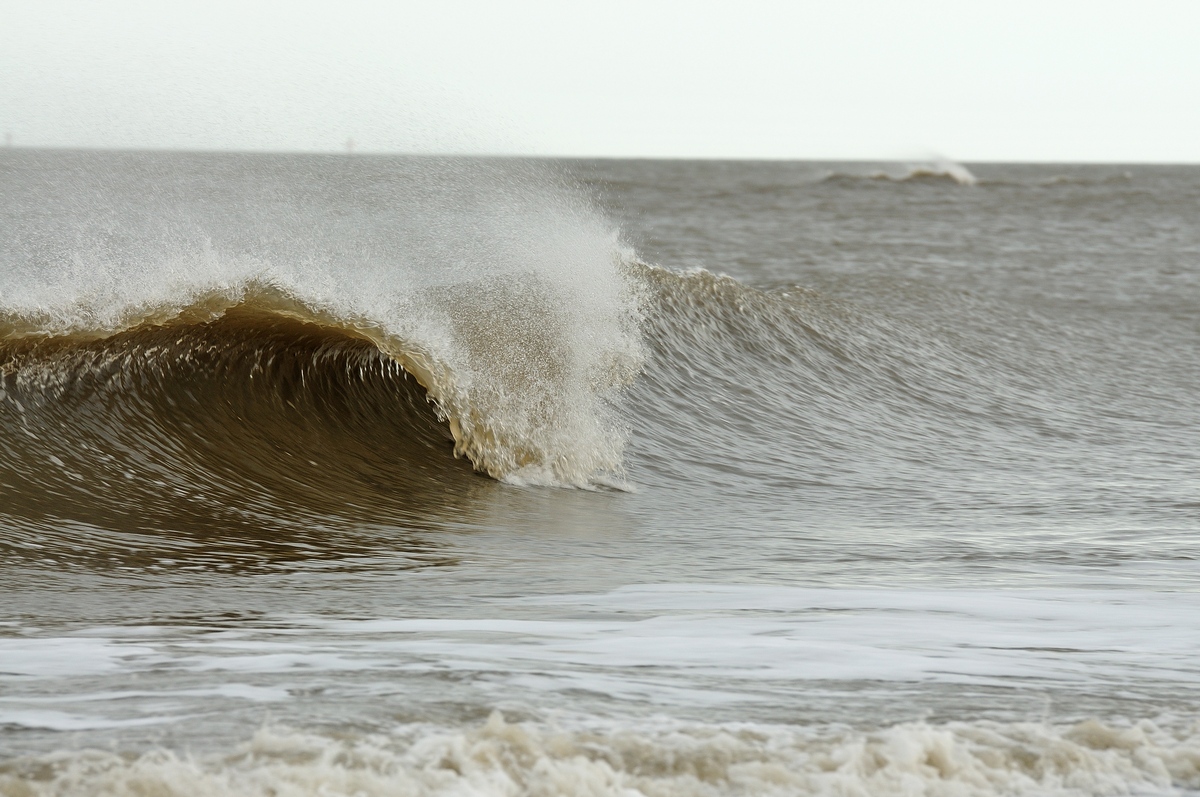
(490, 281)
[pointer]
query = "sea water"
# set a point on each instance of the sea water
(393, 475)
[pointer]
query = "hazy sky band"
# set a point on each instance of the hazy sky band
(1016, 80)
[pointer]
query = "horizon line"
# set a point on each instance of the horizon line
(557, 156)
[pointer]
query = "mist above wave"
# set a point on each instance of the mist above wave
(499, 289)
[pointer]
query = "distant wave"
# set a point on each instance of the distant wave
(948, 172)
(940, 171)
(968, 759)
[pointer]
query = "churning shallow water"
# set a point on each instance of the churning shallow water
(326, 475)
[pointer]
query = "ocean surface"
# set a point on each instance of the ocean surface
(330, 475)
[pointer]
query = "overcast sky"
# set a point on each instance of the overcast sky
(970, 80)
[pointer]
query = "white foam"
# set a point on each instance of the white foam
(50, 657)
(754, 634)
(674, 648)
(501, 758)
(47, 719)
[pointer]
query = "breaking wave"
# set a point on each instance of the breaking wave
(500, 295)
(250, 406)
(502, 758)
(938, 171)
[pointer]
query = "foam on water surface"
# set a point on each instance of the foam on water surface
(698, 650)
(502, 758)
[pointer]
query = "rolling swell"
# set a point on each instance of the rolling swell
(792, 392)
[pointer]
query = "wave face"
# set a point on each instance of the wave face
(250, 420)
(487, 283)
